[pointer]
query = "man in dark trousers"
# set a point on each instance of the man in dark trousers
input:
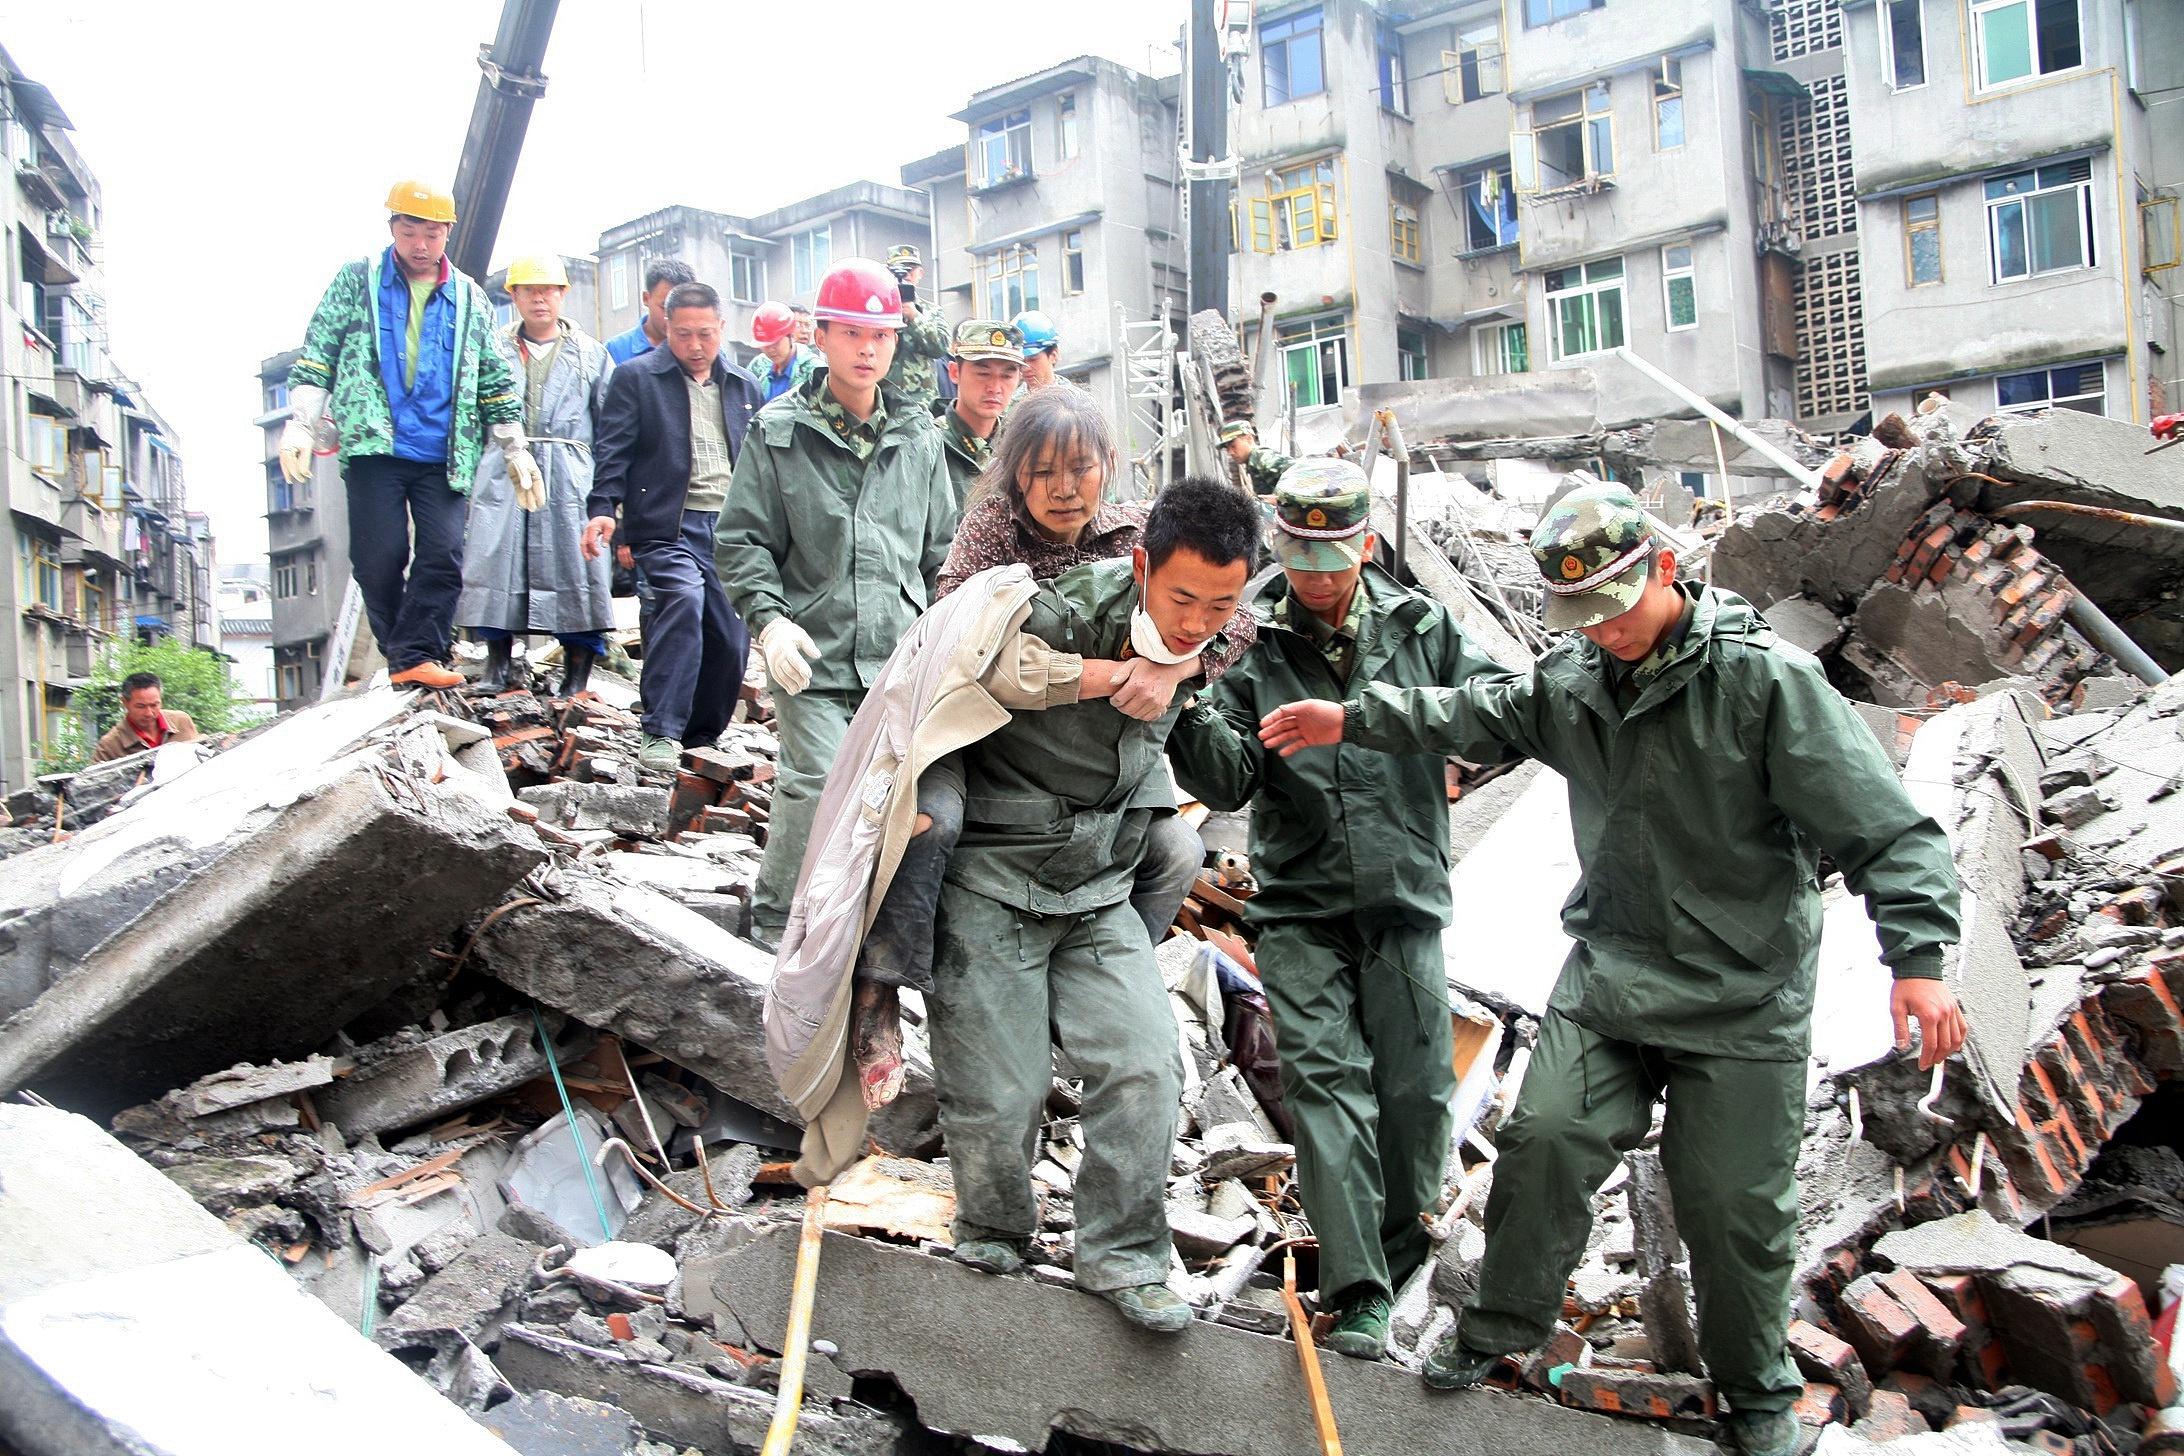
(668, 438)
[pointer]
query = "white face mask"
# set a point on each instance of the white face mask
(1145, 637)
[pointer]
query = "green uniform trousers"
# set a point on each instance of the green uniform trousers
(1361, 1020)
(1007, 985)
(1729, 1148)
(811, 725)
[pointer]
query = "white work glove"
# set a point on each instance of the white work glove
(299, 437)
(789, 653)
(523, 472)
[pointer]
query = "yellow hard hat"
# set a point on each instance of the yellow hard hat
(412, 198)
(538, 269)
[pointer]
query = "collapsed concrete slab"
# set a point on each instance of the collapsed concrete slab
(1051, 1359)
(300, 876)
(443, 1074)
(625, 958)
(133, 1324)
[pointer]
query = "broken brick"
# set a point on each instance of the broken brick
(1877, 1325)
(1890, 1418)
(1820, 1405)
(1825, 1359)
(1654, 1394)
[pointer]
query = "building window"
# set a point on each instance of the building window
(1410, 354)
(1004, 148)
(1291, 63)
(1679, 287)
(1012, 281)
(41, 570)
(1473, 71)
(1072, 262)
(1489, 206)
(2161, 246)
(1585, 309)
(276, 397)
(291, 685)
(810, 255)
(746, 277)
(310, 577)
(46, 445)
(1315, 360)
(1500, 349)
(1403, 231)
(1547, 12)
(1388, 66)
(2041, 221)
(2016, 39)
(1572, 140)
(287, 580)
(618, 282)
(1668, 127)
(2074, 386)
(1065, 117)
(1903, 44)
(1298, 210)
(1922, 239)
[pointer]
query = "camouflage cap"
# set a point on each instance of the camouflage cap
(904, 255)
(1322, 510)
(987, 339)
(1237, 429)
(1595, 547)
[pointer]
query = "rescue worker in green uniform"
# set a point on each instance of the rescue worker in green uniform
(985, 363)
(1351, 853)
(1263, 467)
(1709, 765)
(1037, 941)
(923, 336)
(838, 518)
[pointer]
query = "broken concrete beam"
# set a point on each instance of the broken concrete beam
(243, 913)
(541, 1423)
(1656, 1395)
(684, 1405)
(569, 805)
(468, 1298)
(445, 1074)
(1665, 1301)
(627, 959)
(131, 1322)
(924, 1321)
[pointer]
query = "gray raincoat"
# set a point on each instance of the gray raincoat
(525, 571)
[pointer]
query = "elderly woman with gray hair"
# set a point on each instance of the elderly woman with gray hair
(1041, 502)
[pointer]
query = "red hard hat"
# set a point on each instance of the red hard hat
(772, 323)
(859, 291)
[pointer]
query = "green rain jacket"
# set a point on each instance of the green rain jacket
(846, 548)
(1057, 803)
(1335, 831)
(341, 356)
(1698, 817)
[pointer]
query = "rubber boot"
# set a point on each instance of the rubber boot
(498, 652)
(576, 669)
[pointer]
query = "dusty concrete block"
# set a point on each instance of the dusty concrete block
(541, 1423)
(570, 805)
(467, 1298)
(445, 1074)
(120, 1299)
(302, 875)
(627, 959)
(924, 1321)
(1654, 1394)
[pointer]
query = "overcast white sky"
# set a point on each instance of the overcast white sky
(245, 147)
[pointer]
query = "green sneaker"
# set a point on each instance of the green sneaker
(990, 1256)
(1361, 1329)
(1454, 1365)
(1765, 1433)
(1153, 1307)
(662, 755)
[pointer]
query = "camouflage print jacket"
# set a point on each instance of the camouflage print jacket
(921, 341)
(341, 356)
(1265, 467)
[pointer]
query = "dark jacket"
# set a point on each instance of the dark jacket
(641, 452)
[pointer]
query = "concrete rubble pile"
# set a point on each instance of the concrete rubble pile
(442, 1007)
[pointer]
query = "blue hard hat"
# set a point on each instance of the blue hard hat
(1038, 332)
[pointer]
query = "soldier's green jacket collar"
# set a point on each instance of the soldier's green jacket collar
(898, 420)
(1394, 614)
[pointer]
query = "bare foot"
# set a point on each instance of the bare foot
(875, 1041)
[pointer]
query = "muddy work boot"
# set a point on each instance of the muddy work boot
(991, 1256)
(576, 666)
(1765, 1433)
(1152, 1307)
(1361, 1329)
(661, 755)
(499, 652)
(875, 1041)
(1454, 1365)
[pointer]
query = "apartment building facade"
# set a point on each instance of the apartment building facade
(2016, 189)
(101, 543)
(307, 549)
